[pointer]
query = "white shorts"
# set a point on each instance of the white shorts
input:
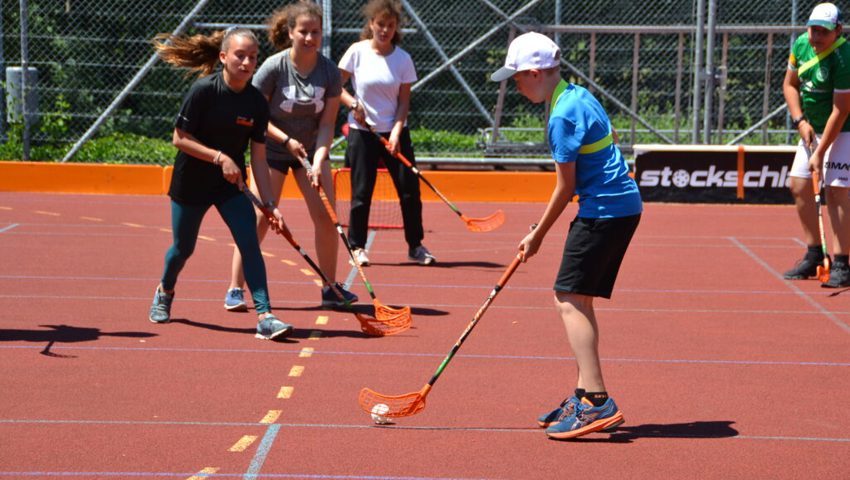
(836, 163)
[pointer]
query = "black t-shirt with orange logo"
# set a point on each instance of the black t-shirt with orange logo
(223, 120)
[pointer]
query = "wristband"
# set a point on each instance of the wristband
(217, 158)
(270, 205)
(795, 122)
(354, 104)
(285, 142)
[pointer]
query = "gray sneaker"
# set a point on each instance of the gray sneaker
(270, 328)
(839, 276)
(161, 307)
(421, 255)
(234, 301)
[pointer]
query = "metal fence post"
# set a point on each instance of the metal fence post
(698, 73)
(2, 82)
(24, 73)
(709, 71)
(327, 27)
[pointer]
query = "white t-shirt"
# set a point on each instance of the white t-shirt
(376, 80)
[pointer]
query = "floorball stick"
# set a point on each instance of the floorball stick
(394, 316)
(485, 224)
(820, 201)
(413, 402)
(368, 325)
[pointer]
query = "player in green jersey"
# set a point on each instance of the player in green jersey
(817, 91)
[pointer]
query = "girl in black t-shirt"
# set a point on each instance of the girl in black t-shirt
(220, 114)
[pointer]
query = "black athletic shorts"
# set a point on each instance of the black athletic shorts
(593, 252)
(283, 165)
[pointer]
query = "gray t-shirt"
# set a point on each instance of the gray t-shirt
(296, 103)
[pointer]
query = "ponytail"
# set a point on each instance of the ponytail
(198, 53)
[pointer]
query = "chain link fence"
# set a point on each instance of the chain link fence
(638, 57)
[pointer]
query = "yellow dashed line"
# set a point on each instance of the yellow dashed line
(296, 371)
(231, 244)
(322, 320)
(285, 392)
(288, 262)
(267, 254)
(271, 417)
(315, 335)
(307, 272)
(306, 352)
(5, 208)
(134, 225)
(42, 212)
(203, 237)
(165, 230)
(92, 219)
(243, 443)
(203, 473)
(318, 282)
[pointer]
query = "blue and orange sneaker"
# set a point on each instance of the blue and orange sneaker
(330, 300)
(564, 410)
(587, 419)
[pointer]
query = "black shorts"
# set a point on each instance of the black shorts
(593, 253)
(284, 165)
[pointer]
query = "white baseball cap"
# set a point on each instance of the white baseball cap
(527, 51)
(825, 15)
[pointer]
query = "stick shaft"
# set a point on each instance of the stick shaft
(400, 156)
(817, 184)
(335, 220)
(284, 230)
(499, 286)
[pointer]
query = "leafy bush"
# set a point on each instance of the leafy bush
(117, 148)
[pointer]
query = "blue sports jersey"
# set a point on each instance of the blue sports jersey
(579, 131)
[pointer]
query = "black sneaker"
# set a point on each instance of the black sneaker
(330, 300)
(807, 267)
(839, 276)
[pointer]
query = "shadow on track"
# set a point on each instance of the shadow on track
(63, 334)
(696, 430)
(297, 333)
(440, 264)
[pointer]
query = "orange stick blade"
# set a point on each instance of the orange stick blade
(385, 324)
(486, 224)
(399, 405)
(823, 271)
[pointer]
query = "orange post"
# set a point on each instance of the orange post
(740, 172)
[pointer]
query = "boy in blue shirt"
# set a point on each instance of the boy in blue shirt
(589, 164)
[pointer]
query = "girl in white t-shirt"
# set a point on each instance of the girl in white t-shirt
(381, 75)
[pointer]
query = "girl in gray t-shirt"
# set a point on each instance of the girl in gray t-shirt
(303, 89)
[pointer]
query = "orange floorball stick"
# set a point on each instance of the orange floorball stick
(412, 403)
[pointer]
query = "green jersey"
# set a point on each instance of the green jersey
(820, 79)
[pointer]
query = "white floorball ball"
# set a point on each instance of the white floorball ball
(379, 413)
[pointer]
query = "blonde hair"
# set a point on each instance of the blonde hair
(283, 20)
(380, 8)
(198, 53)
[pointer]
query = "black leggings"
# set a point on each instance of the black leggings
(364, 150)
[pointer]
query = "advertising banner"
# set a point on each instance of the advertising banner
(713, 174)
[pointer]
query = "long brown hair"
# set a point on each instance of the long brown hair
(379, 8)
(198, 53)
(283, 20)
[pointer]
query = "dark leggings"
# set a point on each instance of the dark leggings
(364, 150)
(240, 218)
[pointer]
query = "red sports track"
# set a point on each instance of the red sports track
(722, 368)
